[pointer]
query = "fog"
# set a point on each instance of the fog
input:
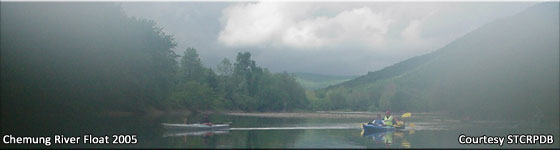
(306, 37)
(69, 67)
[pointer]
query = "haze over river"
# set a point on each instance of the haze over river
(429, 131)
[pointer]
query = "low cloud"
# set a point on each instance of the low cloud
(328, 37)
(278, 24)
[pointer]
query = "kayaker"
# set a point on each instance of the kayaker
(388, 119)
(378, 120)
(398, 122)
(206, 120)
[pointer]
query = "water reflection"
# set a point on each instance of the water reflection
(262, 132)
(388, 139)
(247, 132)
(405, 144)
(380, 137)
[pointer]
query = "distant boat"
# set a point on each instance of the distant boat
(170, 126)
(173, 133)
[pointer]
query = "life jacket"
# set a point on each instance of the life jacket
(388, 121)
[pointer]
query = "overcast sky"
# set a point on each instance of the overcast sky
(332, 38)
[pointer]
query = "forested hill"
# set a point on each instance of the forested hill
(509, 67)
(388, 72)
(84, 60)
(75, 58)
(314, 81)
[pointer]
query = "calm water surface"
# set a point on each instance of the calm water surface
(428, 132)
(260, 132)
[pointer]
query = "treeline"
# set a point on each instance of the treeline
(239, 86)
(82, 59)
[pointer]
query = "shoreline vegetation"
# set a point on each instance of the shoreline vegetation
(318, 114)
(290, 114)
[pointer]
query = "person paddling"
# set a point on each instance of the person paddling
(378, 120)
(206, 120)
(388, 119)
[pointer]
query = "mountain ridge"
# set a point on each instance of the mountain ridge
(508, 66)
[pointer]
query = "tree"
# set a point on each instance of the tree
(191, 68)
(194, 96)
(197, 86)
(224, 68)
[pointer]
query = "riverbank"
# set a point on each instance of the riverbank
(319, 114)
(149, 112)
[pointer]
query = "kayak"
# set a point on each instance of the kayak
(172, 133)
(195, 126)
(379, 128)
(170, 126)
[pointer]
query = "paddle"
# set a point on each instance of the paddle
(406, 115)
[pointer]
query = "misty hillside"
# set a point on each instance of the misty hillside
(508, 67)
(93, 59)
(314, 81)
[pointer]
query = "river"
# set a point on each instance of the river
(428, 131)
